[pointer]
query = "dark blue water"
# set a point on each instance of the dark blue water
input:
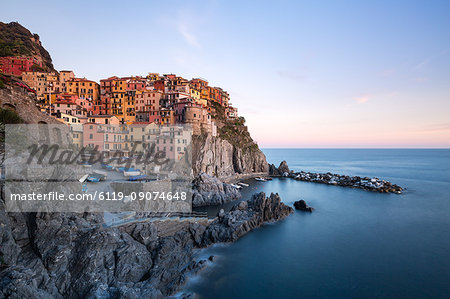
(356, 244)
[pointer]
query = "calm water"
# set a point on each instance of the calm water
(356, 244)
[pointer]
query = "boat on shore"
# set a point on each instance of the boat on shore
(131, 172)
(236, 186)
(243, 184)
(260, 179)
(139, 178)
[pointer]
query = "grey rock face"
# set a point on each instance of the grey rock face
(229, 227)
(280, 170)
(68, 255)
(217, 157)
(283, 168)
(209, 190)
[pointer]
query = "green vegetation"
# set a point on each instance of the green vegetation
(232, 130)
(236, 133)
(16, 40)
(14, 48)
(2, 84)
(37, 68)
(8, 116)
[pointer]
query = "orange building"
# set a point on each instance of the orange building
(83, 88)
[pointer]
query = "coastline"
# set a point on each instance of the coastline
(237, 177)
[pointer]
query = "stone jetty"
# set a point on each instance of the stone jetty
(365, 183)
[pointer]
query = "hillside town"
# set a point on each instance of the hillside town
(152, 99)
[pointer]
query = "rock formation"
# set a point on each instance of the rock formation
(218, 157)
(229, 227)
(209, 190)
(283, 169)
(68, 255)
(302, 206)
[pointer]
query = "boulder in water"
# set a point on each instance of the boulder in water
(302, 206)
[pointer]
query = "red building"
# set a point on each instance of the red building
(16, 65)
(159, 85)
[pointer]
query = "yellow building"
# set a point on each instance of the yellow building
(64, 76)
(118, 98)
(137, 133)
(195, 94)
(129, 115)
(83, 88)
(37, 81)
(77, 135)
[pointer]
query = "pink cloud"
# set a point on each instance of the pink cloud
(362, 100)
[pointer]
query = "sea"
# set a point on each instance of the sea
(356, 244)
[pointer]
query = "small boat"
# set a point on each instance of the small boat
(107, 166)
(96, 177)
(236, 186)
(243, 184)
(83, 178)
(260, 179)
(131, 172)
(267, 178)
(93, 179)
(141, 177)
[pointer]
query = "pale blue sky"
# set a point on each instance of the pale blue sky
(303, 73)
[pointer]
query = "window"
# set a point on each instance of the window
(91, 136)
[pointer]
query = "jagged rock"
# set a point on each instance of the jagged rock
(283, 168)
(209, 190)
(302, 206)
(273, 170)
(243, 205)
(237, 222)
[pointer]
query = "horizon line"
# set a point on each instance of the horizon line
(368, 148)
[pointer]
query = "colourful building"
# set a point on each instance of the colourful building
(16, 65)
(83, 88)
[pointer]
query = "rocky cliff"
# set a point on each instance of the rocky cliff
(231, 152)
(16, 40)
(17, 99)
(246, 216)
(68, 255)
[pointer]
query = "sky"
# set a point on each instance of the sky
(304, 74)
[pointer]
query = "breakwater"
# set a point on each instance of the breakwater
(365, 183)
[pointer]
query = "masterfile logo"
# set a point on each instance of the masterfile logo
(96, 168)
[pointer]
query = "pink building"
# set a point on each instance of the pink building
(103, 119)
(93, 136)
(68, 107)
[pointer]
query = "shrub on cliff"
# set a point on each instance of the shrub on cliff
(8, 116)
